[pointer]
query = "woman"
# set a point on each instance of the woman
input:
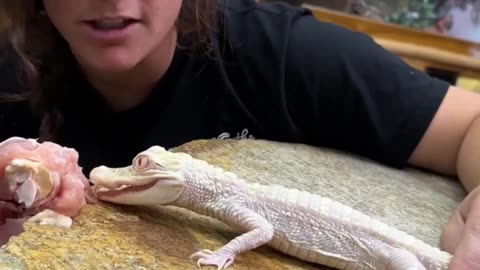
(111, 78)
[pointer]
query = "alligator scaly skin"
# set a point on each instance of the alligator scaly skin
(320, 230)
(305, 225)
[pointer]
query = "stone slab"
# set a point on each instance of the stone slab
(106, 236)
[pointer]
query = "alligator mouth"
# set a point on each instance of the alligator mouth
(102, 191)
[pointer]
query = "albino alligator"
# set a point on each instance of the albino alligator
(304, 225)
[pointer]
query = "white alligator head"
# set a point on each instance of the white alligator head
(153, 178)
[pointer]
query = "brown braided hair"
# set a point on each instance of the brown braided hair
(45, 55)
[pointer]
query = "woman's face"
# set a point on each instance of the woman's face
(113, 35)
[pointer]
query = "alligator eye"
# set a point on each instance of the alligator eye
(141, 162)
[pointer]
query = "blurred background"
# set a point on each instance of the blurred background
(455, 18)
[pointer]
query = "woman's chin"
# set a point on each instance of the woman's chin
(109, 62)
(112, 67)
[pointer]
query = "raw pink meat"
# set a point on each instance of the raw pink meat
(71, 190)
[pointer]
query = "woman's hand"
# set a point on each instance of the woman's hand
(461, 235)
(451, 146)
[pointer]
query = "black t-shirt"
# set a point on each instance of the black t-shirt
(277, 73)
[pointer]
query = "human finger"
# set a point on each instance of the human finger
(467, 251)
(452, 232)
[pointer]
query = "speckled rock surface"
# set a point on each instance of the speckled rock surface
(118, 237)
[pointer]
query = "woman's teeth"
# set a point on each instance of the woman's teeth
(109, 24)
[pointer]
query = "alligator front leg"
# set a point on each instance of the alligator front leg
(258, 232)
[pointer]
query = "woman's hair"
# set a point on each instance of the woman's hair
(48, 65)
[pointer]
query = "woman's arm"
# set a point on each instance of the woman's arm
(451, 145)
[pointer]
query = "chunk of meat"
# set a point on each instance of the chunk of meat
(71, 196)
(38, 176)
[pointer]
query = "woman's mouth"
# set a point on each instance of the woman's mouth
(111, 24)
(111, 31)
